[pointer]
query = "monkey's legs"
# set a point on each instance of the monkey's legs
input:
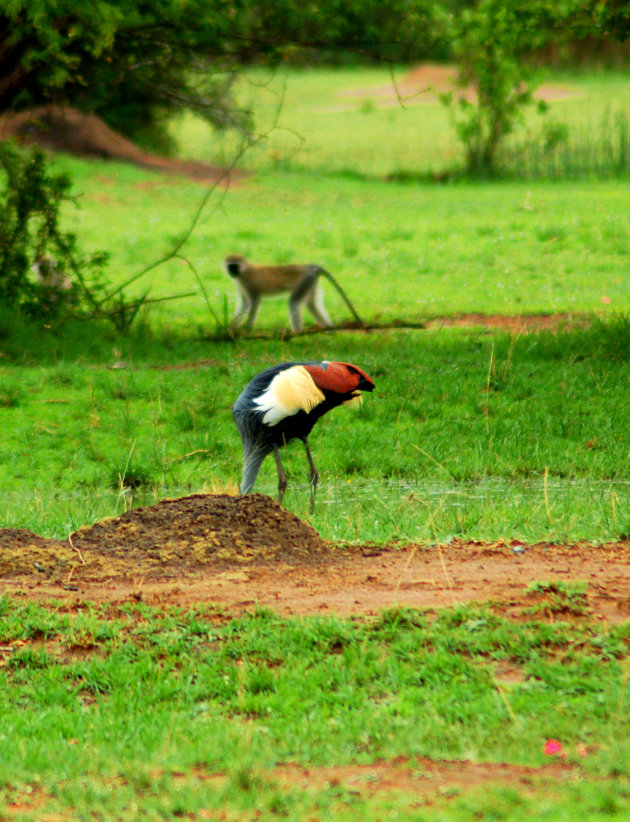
(302, 293)
(242, 307)
(314, 476)
(253, 311)
(247, 304)
(315, 304)
(282, 477)
(295, 315)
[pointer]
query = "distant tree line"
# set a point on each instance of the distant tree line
(135, 61)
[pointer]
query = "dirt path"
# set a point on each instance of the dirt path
(423, 84)
(421, 777)
(240, 552)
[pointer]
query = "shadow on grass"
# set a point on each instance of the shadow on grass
(25, 342)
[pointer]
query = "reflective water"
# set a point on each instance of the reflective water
(507, 491)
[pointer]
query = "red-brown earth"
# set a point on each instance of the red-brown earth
(244, 551)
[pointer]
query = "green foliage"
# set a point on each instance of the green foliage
(493, 44)
(130, 61)
(497, 46)
(30, 208)
(335, 31)
(559, 597)
(612, 18)
(599, 149)
(135, 62)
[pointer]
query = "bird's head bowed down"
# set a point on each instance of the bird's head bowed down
(284, 402)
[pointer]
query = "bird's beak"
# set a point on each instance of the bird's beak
(365, 384)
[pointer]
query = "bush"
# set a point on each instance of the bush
(30, 203)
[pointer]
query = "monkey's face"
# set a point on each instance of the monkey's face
(233, 264)
(44, 266)
(49, 275)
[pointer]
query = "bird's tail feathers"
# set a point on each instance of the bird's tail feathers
(251, 466)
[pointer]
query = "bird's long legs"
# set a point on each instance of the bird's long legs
(314, 476)
(282, 477)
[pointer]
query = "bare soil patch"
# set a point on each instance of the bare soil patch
(519, 323)
(66, 129)
(426, 779)
(424, 83)
(422, 777)
(239, 552)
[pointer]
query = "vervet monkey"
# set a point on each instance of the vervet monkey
(253, 282)
(49, 276)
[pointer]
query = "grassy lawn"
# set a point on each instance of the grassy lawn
(127, 711)
(400, 251)
(323, 120)
(130, 712)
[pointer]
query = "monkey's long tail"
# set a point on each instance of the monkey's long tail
(345, 298)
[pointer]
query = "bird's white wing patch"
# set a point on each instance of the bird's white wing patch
(290, 391)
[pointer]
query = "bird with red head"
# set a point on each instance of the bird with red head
(283, 403)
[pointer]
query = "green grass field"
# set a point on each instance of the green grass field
(323, 120)
(496, 436)
(127, 712)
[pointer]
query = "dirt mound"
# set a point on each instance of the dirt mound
(165, 540)
(66, 129)
(238, 552)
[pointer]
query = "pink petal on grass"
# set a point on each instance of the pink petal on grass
(553, 747)
(606, 300)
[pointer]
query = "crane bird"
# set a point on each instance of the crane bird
(283, 403)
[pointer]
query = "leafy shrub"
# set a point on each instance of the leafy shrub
(30, 203)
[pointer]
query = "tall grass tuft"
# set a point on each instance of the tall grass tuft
(561, 151)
